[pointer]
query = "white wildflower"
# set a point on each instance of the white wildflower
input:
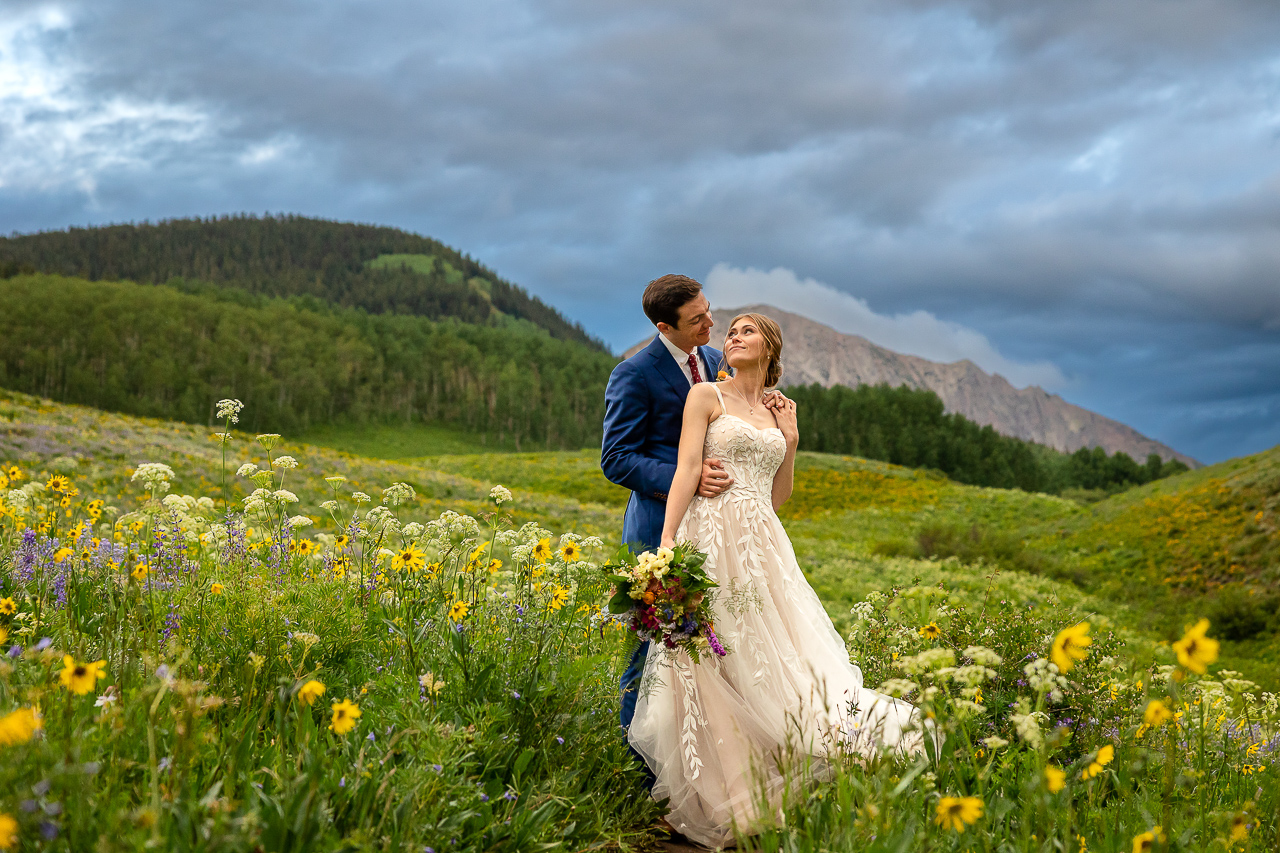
(268, 440)
(994, 742)
(1028, 723)
(307, 640)
(223, 437)
(285, 496)
(412, 530)
(592, 542)
(500, 495)
(929, 659)
(898, 687)
(155, 476)
(335, 480)
(230, 410)
(361, 498)
(1043, 677)
(287, 462)
(329, 506)
(966, 708)
(299, 521)
(972, 676)
(982, 656)
(398, 493)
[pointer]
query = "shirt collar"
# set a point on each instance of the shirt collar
(676, 353)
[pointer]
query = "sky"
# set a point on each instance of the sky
(1078, 194)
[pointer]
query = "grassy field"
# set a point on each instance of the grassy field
(472, 674)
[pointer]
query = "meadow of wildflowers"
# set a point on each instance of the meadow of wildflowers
(218, 640)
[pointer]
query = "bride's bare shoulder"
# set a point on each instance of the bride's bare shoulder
(702, 398)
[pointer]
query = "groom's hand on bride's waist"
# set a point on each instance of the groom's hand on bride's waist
(715, 480)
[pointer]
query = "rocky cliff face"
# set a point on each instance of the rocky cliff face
(818, 353)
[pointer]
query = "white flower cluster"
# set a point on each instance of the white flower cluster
(248, 469)
(982, 656)
(155, 476)
(994, 742)
(1043, 676)
(1028, 723)
(972, 676)
(286, 462)
(500, 495)
(966, 708)
(899, 687)
(230, 409)
(651, 565)
(398, 493)
(299, 521)
(927, 661)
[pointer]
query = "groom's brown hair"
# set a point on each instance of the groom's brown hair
(665, 296)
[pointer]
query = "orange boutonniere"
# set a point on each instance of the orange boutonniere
(722, 376)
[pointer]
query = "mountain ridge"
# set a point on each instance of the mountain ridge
(817, 353)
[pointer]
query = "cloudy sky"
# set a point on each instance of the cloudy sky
(1079, 194)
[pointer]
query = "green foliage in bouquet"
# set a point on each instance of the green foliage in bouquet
(668, 596)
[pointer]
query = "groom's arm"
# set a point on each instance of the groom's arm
(626, 410)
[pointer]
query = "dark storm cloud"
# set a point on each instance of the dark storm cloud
(1005, 165)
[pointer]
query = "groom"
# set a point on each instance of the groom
(644, 409)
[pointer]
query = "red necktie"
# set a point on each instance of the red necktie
(693, 367)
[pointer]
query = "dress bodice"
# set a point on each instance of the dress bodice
(751, 455)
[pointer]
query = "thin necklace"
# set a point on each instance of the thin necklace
(751, 407)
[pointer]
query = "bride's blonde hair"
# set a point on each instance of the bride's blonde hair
(772, 334)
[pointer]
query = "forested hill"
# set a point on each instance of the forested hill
(381, 270)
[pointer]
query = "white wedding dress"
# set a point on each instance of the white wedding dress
(715, 734)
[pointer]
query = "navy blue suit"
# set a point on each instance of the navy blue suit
(643, 413)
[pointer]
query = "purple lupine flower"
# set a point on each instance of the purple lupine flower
(715, 643)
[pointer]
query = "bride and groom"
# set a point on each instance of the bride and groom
(708, 452)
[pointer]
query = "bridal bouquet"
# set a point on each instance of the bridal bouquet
(667, 593)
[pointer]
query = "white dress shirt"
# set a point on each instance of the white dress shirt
(682, 359)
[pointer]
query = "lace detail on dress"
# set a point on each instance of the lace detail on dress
(708, 730)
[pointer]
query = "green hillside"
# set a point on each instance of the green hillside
(374, 268)
(297, 364)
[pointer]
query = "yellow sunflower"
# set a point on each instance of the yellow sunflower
(216, 588)
(1156, 715)
(140, 572)
(1196, 651)
(61, 554)
(345, 714)
(411, 559)
(570, 551)
(1070, 645)
(542, 551)
(310, 692)
(80, 678)
(1145, 842)
(19, 726)
(930, 631)
(8, 607)
(57, 483)
(559, 598)
(1101, 760)
(1055, 778)
(458, 611)
(958, 812)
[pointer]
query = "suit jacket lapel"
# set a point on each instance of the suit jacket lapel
(667, 368)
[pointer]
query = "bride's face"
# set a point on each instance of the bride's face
(744, 345)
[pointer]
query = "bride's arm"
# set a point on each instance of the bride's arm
(698, 408)
(784, 412)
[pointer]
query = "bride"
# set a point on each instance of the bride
(716, 734)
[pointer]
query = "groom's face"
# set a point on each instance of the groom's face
(694, 328)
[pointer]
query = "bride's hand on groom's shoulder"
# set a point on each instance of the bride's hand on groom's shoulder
(784, 412)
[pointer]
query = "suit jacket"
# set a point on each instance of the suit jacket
(643, 413)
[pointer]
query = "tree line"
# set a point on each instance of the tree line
(290, 256)
(910, 426)
(173, 351)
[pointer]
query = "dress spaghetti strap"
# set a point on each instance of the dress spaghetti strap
(723, 410)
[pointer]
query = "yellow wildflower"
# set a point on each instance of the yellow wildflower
(14, 473)
(1239, 827)
(458, 611)
(18, 726)
(1157, 714)
(140, 572)
(1196, 651)
(542, 551)
(930, 631)
(61, 554)
(345, 714)
(410, 558)
(432, 569)
(475, 555)
(310, 692)
(559, 597)
(1069, 646)
(1101, 760)
(570, 551)
(80, 678)
(1146, 842)
(216, 588)
(7, 607)
(8, 832)
(342, 540)
(57, 483)
(1055, 778)
(958, 812)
